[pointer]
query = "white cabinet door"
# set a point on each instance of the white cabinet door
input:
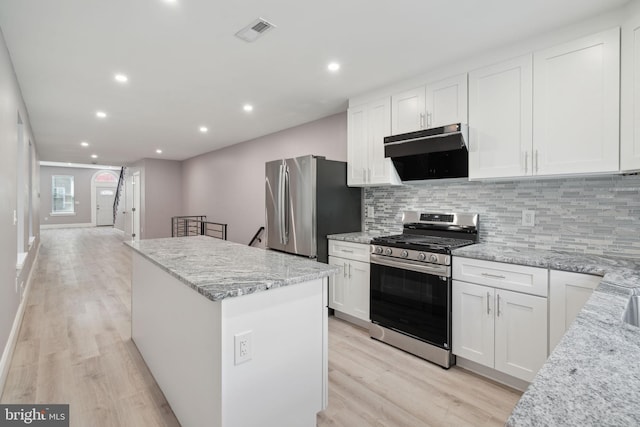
(472, 322)
(446, 101)
(407, 111)
(500, 119)
(630, 118)
(576, 111)
(357, 145)
(520, 333)
(337, 284)
(358, 289)
(568, 293)
(379, 167)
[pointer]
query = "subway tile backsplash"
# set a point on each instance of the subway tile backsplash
(595, 215)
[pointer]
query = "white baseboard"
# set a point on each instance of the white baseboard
(78, 225)
(492, 374)
(7, 354)
(351, 319)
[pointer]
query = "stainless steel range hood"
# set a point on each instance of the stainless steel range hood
(430, 153)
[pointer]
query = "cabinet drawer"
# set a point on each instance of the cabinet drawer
(519, 278)
(350, 250)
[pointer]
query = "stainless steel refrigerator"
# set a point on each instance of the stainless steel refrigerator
(307, 198)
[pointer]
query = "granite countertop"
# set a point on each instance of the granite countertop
(356, 237)
(221, 269)
(592, 378)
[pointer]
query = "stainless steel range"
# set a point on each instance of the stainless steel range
(411, 283)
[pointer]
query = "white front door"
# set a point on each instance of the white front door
(104, 205)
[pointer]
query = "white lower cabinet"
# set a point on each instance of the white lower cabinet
(349, 288)
(568, 293)
(498, 328)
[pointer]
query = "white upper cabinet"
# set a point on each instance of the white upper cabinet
(408, 111)
(556, 115)
(439, 103)
(367, 125)
(358, 144)
(576, 109)
(500, 119)
(446, 102)
(630, 114)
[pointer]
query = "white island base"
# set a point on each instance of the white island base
(187, 341)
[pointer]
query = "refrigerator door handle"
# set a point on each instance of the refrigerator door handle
(286, 204)
(281, 204)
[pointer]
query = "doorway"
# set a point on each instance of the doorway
(104, 185)
(104, 205)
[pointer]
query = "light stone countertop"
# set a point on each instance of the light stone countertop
(221, 269)
(592, 378)
(356, 237)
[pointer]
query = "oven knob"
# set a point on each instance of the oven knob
(388, 251)
(421, 256)
(378, 250)
(404, 254)
(433, 258)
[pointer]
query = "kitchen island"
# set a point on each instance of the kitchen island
(233, 335)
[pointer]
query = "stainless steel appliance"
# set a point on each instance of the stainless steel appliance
(306, 199)
(411, 283)
(430, 153)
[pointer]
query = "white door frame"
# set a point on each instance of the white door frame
(93, 191)
(135, 206)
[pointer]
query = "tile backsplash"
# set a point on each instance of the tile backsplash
(596, 215)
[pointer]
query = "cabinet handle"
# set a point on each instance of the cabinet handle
(344, 270)
(526, 162)
(488, 307)
(347, 251)
(537, 164)
(429, 119)
(493, 276)
(421, 120)
(498, 305)
(368, 175)
(349, 270)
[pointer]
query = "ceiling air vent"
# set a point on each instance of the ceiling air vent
(254, 30)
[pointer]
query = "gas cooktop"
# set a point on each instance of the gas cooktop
(421, 242)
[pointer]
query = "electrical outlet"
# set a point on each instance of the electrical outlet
(242, 345)
(528, 218)
(370, 212)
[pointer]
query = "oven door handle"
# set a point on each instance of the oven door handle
(437, 270)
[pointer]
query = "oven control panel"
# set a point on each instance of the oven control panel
(413, 255)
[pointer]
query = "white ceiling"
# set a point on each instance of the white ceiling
(186, 68)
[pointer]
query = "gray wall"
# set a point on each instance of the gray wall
(597, 215)
(227, 185)
(12, 104)
(82, 195)
(160, 197)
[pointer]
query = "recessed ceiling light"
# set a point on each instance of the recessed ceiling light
(248, 107)
(171, 1)
(94, 156)
(204, 129)
(159, 151)
(84, 143)
(101, 114)
(333, 67)
(121, 78)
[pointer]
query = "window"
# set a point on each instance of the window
(62, 194)
(106, 177)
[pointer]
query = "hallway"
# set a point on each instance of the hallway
(75, 342)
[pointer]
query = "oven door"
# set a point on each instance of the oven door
(412, 298)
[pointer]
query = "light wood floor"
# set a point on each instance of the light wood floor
(75, 347)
